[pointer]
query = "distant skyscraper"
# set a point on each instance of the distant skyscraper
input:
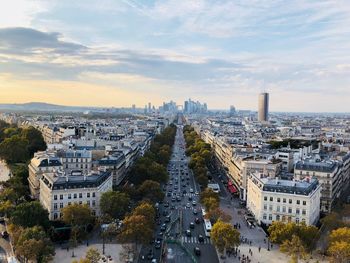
(263, 114)
(232, 110)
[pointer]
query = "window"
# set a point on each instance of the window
(298, 202)
(278, 208)
(75, 196)
(80, 195)
(61, 197)
(80, 202)
(290, 201)
(284, 209)
(284, 200)
(265, 207)
(278, 200)
(265, 198)
(69, 196)
(270, 217)
(271, 199)
(55, 206)
(88, 195)
(297, 220)
(277, 217)
(55, 216)
(304, 202)
(88, 203)
(304, 212)
(55, 197)
(61, 205)
(270, 207)
(69, 203)
(289, 210)
(264, 216)
(93, 203)
(93, 194)
(297, 211)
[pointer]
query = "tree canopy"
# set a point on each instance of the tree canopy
(114, 204)
(224, 236)
(30, 214)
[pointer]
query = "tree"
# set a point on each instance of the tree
(14, 149)
(147, 210)
(151, 190)
(35, 140)
(217, 214)
(93, 255)
(114, 204)
(30, 214)
(76, 214)
(224, 236)
(294, 248)
(210, 203)
(136, 229)
(33, 244)
(207, 193)
(339, 245)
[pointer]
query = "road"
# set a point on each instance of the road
(181, 205)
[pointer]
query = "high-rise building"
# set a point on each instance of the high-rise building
(232, 110)
(263, 114)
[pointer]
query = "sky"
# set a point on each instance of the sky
(123, 52)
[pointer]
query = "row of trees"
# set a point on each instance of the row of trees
(200, 153)
(296, 240)
(211, 202)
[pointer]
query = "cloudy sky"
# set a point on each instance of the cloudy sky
(120, 52)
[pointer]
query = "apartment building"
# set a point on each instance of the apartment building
(58, 191)
(329, 175)
(42, 162)
(75, 160)
(116, 164)
(273, 199)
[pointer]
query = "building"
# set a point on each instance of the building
(75, 160)
(58, 191)
(263, 114)
(273, 199)
(328, 173)
(41, 163)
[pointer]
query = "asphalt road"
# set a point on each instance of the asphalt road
(181, 204)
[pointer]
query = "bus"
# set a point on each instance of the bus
(207, 227)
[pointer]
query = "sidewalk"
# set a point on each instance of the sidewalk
(64, 256)
(256, 236)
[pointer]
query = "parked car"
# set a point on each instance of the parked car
(197, 251)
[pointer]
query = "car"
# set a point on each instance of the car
(195, 211)
(150, 255)
(188, 183)
(190, 198)
(191, 190)
(188, 205)
(175, 187)
(192, 225)
(184, 191)
(194, 203)
(197, 251)
(166, 204)
(196, 193)
(157, 244)
(197, 220)
(165, 213)
(168, 194)
(172, 207)
(163, 227)
(178, 198)
(167, 219)
(188, 232)
(173, 199)
(200, 239)
(4, 234)
(154, 261)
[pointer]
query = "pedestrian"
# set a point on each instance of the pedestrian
(271, 245)
(264, 240)
(259, 248)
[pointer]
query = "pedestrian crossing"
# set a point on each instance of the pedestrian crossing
(194, 240)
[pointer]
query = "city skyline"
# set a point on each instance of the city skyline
(119, 53)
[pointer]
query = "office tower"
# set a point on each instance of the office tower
(263, 114)
(232, 110)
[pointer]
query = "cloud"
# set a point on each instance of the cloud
(28, 40)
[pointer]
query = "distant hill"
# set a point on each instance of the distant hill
(41, 106)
